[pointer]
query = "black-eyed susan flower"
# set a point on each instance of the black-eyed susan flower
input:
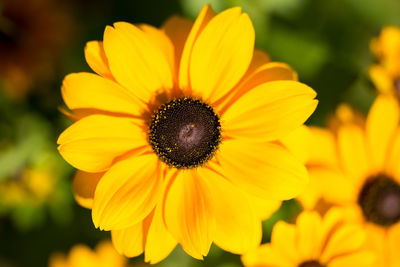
(183, 122)
(104, 255)
(356, 165)
(32, 33)
(386, 49)
(313, 242)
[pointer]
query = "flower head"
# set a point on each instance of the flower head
(104, 255)
(313, 242)
(179, 130)
(355, 165)
(386, 49)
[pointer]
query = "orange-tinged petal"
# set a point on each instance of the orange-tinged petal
(259, 58)
(221, 54)
(188, 213)
(353, 152)
(381, 124)
(84, 186)
(129, 241)
(90, 91)
(269, 111)
(271, 71)
(127, 193)
(96, 58)
(177, 29)
(238, 226)
(205, 15)
(266, 170)
(135, 61)
(159, 242)
(92, 143)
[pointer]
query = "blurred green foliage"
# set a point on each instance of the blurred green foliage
(326, 42)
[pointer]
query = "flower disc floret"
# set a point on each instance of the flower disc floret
(185, 133)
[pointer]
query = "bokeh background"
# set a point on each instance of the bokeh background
(326, 42)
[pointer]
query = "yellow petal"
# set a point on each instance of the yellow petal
(359, 258)
(84, 186)
(159, 242)
(394, 245)
(381, 79)
(188, 213)
(266, 255)
(264, 208)
(269, 111)
(92, 143)
(298, 142)
(96, 58)
(393, 159)
(309, 235)
(238, 226)
(325, 153)
(352, 151)
(129, 241)
(205, 15)
(127, 193)
(90, 91)
(381, 124)
(265, 170)
(346, 239)
(221, 54)
(177, 29)
(331, 185)
(159, 38)
(109, 256)
(136, 61)
(283, 239)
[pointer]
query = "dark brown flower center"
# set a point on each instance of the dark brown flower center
(185, 133)
(380, 200)
(311, 263)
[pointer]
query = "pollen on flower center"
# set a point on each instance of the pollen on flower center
(311, 263)
(185, 133)
(380, 200)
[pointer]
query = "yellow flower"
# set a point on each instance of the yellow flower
(183, 122)
(386, 49)
(356, 166)
(82, 256)
(313, 242)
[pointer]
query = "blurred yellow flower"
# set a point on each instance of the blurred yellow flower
(104, 255)
(386, 49)
(31, 34)
(31, 185)
(313, 242)
(356, 166)
(183, 122)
